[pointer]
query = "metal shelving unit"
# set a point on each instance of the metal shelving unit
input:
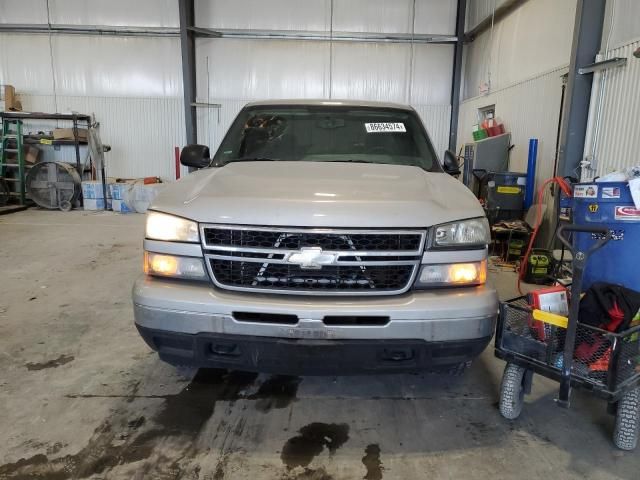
(16, 118)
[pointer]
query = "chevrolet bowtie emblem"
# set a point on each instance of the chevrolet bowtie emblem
(311, 258)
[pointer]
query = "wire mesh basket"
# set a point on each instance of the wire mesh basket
(602, 360)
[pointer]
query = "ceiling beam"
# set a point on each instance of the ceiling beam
(257, 34)
(104, 30)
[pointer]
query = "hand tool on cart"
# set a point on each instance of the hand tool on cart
(579, 261)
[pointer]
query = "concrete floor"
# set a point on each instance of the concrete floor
(83, 397)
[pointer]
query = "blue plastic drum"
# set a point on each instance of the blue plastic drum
(609, 204)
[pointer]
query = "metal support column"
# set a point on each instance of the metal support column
(457, 75)
(587, 36)
(188, 49)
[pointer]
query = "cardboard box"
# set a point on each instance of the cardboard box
(96, 203)
(31, 154)
(122, 194)
(11, 102)
(120, 207)
(67, 134)
(121, 190)
(92, 189)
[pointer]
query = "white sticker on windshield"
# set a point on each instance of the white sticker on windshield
(384, 127)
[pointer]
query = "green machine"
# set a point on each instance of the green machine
(539, 266)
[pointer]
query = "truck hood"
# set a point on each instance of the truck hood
(319, 194)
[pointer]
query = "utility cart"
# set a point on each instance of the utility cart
(575, 354)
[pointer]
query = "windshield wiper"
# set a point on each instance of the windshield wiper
(349, 160)
(251, 159)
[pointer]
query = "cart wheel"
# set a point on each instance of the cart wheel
(512, 391)
(625, 435)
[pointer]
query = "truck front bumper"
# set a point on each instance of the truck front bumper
(194, 324)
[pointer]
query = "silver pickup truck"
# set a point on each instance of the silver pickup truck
(323, 237)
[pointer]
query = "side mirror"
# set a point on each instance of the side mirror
(196, 156)
(451, 164)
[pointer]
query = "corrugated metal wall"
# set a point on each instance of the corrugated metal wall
(139, 13)
(141, 131)
(618, 143)
(529, 109)
(91, 65)
(478, 10)
(534, 38)
(432, 16)
(625, 27)
(134, 85)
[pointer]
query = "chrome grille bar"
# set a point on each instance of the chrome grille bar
(367, 262)
(285, 262)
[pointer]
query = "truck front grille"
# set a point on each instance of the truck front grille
(312, 261)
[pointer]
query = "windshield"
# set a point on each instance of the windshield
(328, 134)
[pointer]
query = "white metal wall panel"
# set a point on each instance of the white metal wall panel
(619, 137)
(383, 72)
(372, 16)
(92, 65)
(255, 69)
(372, 71)
(436, 16)
(432, 16)
(142, 132)
(23, 11)
(260, 14)
(529, 109)
(26, 64)
(139, 13)
(478, 10)
(258, 69)
(431, 76)
(383, 16)
(118, 66)
(626, 23)
(534, 38)
(436, 120)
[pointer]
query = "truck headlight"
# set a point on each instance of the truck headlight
(162, 265)
(467, 233)
(161, 226)
(452, 274)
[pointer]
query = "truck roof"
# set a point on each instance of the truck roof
(328, 102)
